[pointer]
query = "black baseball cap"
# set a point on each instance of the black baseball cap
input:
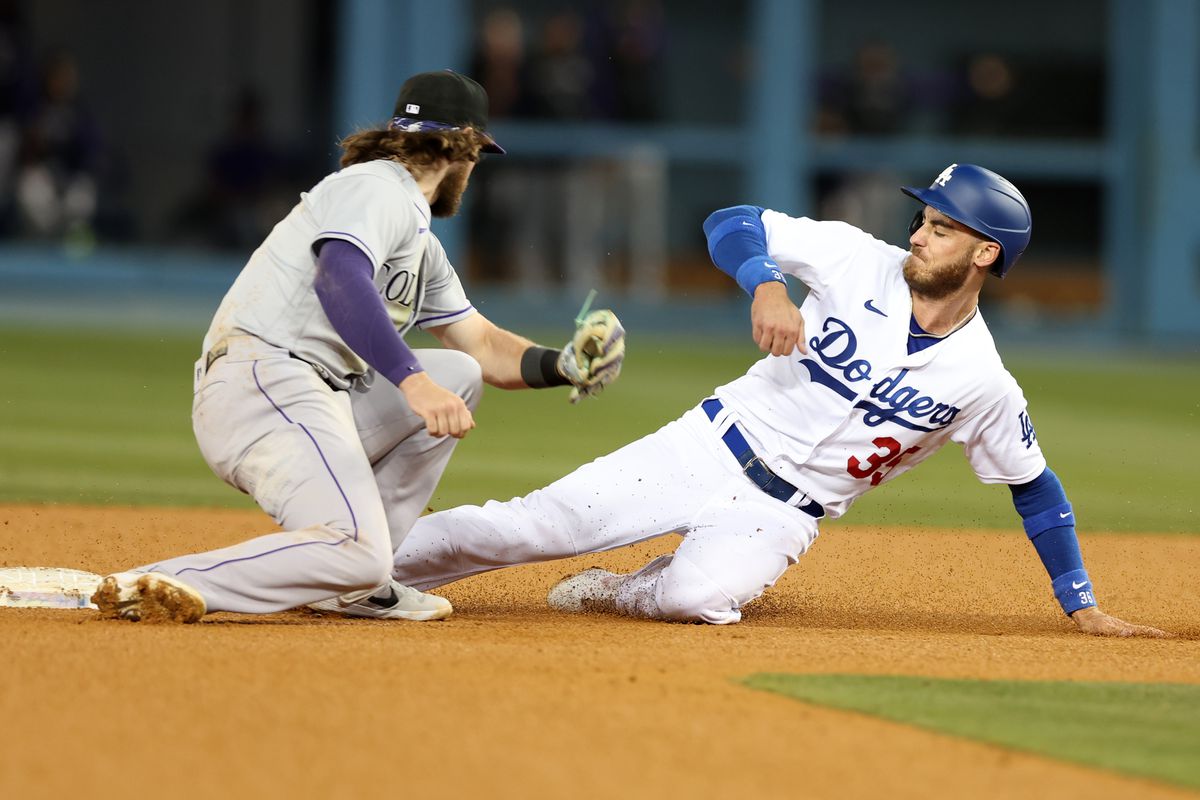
(443, 100)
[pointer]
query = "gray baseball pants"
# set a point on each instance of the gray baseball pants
(344, 473)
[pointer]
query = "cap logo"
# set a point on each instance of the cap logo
(944, 178)
(412, 108)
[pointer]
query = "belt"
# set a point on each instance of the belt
(221, 349)
(754, 468)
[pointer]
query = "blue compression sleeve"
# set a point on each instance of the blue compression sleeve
(737, 244)
(1050, 525)
(351, 302)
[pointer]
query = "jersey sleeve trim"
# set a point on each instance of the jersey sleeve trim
(995, 477)
(347, 237)
(791, 244)
(1033, 473)
(445, 319)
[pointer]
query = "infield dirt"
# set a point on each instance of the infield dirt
(508, 699)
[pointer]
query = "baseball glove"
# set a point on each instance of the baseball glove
(593, 357)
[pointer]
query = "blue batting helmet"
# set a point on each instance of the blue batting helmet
(983, 201)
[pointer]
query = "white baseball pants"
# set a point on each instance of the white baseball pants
(680, 479)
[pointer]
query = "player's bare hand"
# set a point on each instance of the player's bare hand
(777, 324)
(444, 412)
(1094, 621)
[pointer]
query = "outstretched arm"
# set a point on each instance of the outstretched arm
(498, 351)
(1050, 525)
(589, 362)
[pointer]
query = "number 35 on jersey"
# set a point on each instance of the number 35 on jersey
(879, 463)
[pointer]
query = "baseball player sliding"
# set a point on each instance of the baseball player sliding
(887, 360)
(308, 399)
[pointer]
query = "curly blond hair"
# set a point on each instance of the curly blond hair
(414, 150)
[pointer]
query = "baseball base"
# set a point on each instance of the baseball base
(46, 587)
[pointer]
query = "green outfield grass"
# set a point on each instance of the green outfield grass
(1151, 730)
(103, 417)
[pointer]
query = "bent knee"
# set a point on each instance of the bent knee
(464, 376)
(711, 608)
(360, 562)
(694, 598)
(367, 567)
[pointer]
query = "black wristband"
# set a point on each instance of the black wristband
(538, 368)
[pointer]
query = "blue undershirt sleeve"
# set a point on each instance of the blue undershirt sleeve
(1050, 524)
(737, 244)
(354, 308)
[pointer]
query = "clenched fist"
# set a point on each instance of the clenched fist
(444, 412)
(777, 324)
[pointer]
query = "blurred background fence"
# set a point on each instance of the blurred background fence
(146, 148)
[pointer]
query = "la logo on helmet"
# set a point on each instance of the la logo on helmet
(944, 178)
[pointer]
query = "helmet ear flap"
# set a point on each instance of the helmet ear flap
(917, 221)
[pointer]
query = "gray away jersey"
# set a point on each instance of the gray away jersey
(378, 208)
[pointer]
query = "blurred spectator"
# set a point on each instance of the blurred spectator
(246, 183)
(606, 63)
(990, 105)
(1042, 95)
(58, 165)
(875, 98)
(638, 50)
(499, 64)
(562, 78)
(18, 90)
(553, 222)
(869, 200)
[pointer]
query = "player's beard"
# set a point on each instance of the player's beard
(935, 282)
(450, 191)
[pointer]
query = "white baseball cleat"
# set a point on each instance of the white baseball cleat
(148, 597)
(400, 602)
(593, 589)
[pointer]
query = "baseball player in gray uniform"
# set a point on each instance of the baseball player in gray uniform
(308, 399)
(897, 363)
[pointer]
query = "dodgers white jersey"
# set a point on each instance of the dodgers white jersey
(857, 410)
(377, 207)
